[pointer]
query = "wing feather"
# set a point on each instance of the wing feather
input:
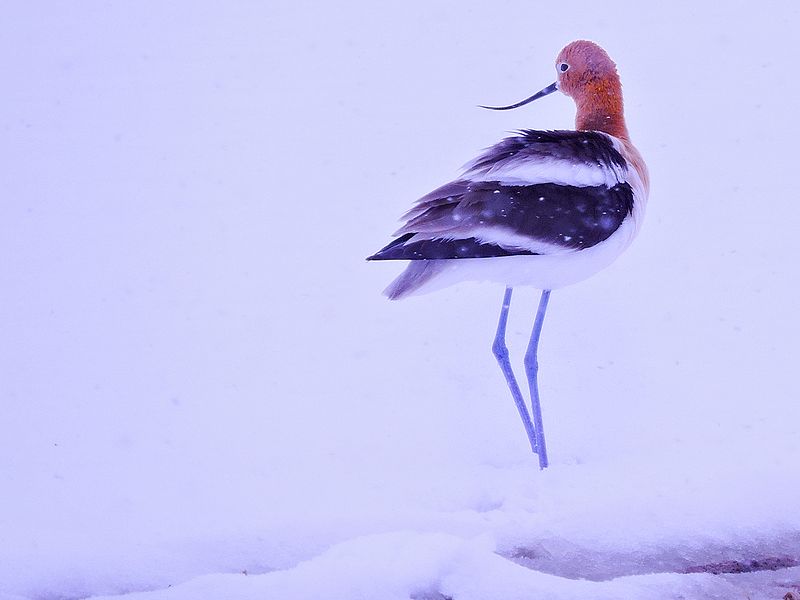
(537, 192)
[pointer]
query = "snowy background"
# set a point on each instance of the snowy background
(203, 394)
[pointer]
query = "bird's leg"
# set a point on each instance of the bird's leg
(531, 369)
(501, 353)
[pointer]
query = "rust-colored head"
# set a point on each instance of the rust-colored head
(588, 75)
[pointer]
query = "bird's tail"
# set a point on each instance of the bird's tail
(417, 274)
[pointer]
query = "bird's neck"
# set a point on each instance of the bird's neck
(601, 109)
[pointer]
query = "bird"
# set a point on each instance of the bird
(541, 208)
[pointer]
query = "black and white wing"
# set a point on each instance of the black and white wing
(538, 192)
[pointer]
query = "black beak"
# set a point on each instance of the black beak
(548, 90)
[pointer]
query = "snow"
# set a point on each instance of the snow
(200, 378)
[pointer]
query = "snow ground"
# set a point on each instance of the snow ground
(200, 379)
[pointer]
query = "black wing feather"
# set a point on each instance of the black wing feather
(570, 217)
(427, 249)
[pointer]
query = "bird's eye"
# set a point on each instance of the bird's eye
(563, 67)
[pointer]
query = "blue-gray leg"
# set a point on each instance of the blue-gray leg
(501, 353)
(531, 369)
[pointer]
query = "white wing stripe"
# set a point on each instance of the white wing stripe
(561, 172)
